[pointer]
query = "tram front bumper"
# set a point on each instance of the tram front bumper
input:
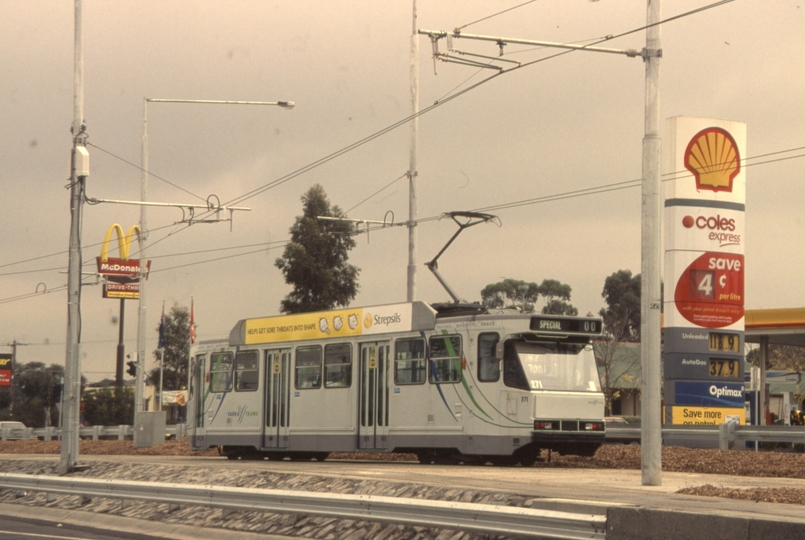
(559, 431)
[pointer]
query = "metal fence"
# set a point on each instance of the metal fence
(94, 432)
(478, 518)
(725, 434)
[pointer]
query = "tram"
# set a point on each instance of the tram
(448, 384)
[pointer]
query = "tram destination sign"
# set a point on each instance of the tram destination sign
(566, 326)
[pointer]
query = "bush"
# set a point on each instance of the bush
(109, 407)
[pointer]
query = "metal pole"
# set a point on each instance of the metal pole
(412, 163)
(121, 348)
(161, 368)
(763, 395)
(141, 318)
(72, 372)
(650, 343)
(141, 306)
(13, 371)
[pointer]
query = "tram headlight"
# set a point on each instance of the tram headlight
(543, 425)
(593, 426)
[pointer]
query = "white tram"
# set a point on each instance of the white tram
(448, 387)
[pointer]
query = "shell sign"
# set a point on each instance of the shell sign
(705, 207)
(713, 158)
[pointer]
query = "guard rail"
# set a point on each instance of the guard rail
(726, 434)
(477, 518)
(93, 432)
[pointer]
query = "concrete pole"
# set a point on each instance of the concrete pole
(72, 372)
(412, 166)
(650, 342)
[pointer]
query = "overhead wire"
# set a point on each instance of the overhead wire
(365, 140)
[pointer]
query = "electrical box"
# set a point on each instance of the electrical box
(149, 429)
(81, 161)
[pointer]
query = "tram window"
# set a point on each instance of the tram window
(246, 373)
(513, 375)
(445, 353)
(221, 372)
(338, 365)
(409, 361)
(308, 367)
(488, 365)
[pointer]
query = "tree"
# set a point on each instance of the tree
(621, 324)
(780, 357)
(109, 406)
(35, 403)
(622, 314)
(315, 260)
(514, 293)
(557, 298)
(175, 354)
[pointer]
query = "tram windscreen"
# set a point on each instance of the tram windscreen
(550, 366)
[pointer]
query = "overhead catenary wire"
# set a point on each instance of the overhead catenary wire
(582, 192)
(375, 135)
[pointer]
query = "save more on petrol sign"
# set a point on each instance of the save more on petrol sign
(704, 271)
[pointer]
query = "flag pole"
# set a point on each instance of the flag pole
(161, 347)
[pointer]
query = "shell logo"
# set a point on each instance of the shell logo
(712, 156)
(367, 321)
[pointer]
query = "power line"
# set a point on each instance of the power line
(496, 14)
(147, 172)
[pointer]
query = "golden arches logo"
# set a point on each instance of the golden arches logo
(123, 242)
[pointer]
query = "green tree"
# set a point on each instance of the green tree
(315, 260)
(109, 406)
(621, 324)
(622, 314)
(780, 357)
(519, 294)
(176, 352)
(35, 403)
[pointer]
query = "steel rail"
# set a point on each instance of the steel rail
(478, 518)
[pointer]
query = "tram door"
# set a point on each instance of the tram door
(277, 398)
(373, 398)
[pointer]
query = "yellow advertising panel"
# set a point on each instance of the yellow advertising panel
(325, 324)
(687, 415)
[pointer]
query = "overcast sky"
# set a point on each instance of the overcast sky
(565, 124)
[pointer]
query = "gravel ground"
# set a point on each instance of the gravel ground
(674, 459)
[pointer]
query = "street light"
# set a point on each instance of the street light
(143, 190)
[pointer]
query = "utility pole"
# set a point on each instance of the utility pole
(141, 314)
(651, 433)
(650, 339)
(78, 174)
(412, 163)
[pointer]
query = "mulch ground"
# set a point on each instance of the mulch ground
(674, 459)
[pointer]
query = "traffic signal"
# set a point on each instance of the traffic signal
(132, 368)
(55, 392)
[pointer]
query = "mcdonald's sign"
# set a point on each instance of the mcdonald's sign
(5, 369)
(122, 274)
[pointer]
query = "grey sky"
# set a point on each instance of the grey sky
(565, 124)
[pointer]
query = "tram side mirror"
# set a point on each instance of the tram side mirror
(499, 350)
